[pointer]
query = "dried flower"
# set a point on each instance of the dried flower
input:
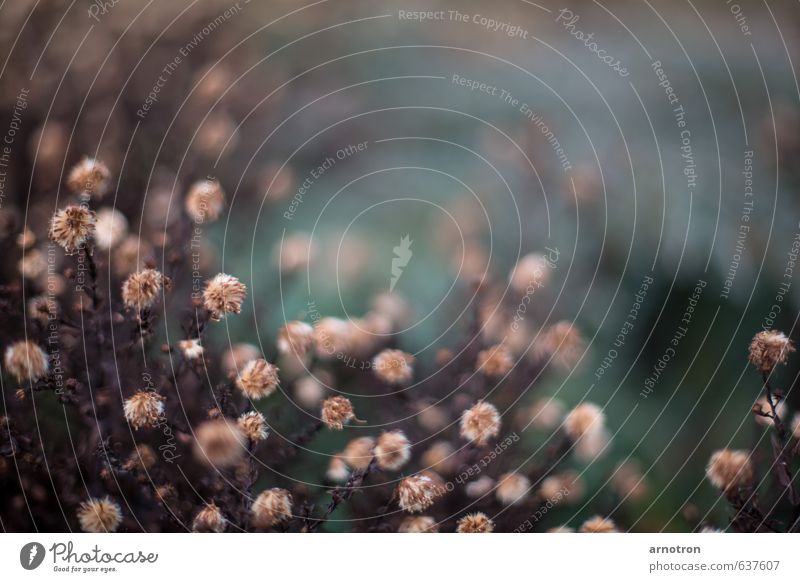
(253, 425)
(26, 361)
(475, 523)
(237, 357)
(598, 524)
(584, 419)
(336, 412)
(205, 201)
(337, 470)
(563, 343)
(89, 177)
(72, 227)
(768, 349)
(111, 228)
(144, 409)
(295, 337)
(531, 272)
(392, 450)
(331, 337)
(223, 295)
(271, 507)
(358, 452)
(512, 488)
(258, 379)
(728, 470)
(209, 520)
(99, 515)
(417, 493)
(309, 390)
(191, 349)
(393, 366)
(140, 290)
(480, 423)
(418, 524)
(440, 457)
(495, 361)
(143, 457)
(220, 442)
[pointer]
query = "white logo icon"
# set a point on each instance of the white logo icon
(402, 255)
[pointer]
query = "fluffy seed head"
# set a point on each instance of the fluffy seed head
(545, 414)
(417, 493)
(728, 470)
(338, 472)
(584, 419)
(332, 336)
(111, 227)
(72, 227)
(42, 308)
(562, 343)
(26, 361)
(531, 272)
(495, 362)
(392, 450)
(144, 409)
(191, 349)
(768, 349)
(512, 488)
(224, 294)
(418, 524)
(440, 457)
(205, 201)
(796, 426)
(99, 515)
(209, 520)
(89, 177)
(258, 379)
(358, 452)
(628, 481)
(237, 356)
(253, 425)
(220, 442)
(565, 487)
(271, 507)
(598, 524)
(393, 366)
(295, 337)
(140, 290)
(475, 523)
(336, 412)
(480, 423)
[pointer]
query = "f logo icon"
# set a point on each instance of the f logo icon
(31, 555)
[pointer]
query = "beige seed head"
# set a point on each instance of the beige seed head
(475, 523)
(295, 337)
(237, 356)
(729, 470)
(144, 409)
(393, 366)
(224, 295)
(359, 452)
(480, 423)
(417, 493)
(220, 442)
(336, 412)
(418, 524)
(140, 290)
(191, 349)
(495, 362)
(89, 177)
(598, 524)
(338, 472)
(205, 201)
(72, 227)
(271, 507)
(209, 520)
(99, 515)
(43, 308)
(111, 228)
(512, 488)
(392, 450)
(258, 379)
(27, 361)
(253, 425)
(584, 419)
(768, 349)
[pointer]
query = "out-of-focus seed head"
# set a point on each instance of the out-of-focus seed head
(253, 425)
(144, 409)
(72, 227)
(220, 442)
(512, 488)
(480, 487)
(480, 423)
(393, 366)
(336, 412)
(224, 295)
(729, 470)
(417, 493)
(768, 349)
(440, 457)
(331, 337)
(544, 414)
(565, 487)
(475, 523)
(628, 481)
(271, 507)
(111, 228)
(295, 337)
(392, 450)
(90, 178)
(26, 239)
(191, 349)
(99, 515)
(237, 356)
(359, 452)
(584, 419)
(495, 362)
(209, 520)
(598, 524)
(561, 529)
(205, 201)
(143, 458)
(338, 472)
(530, 274)
(26, 361)
(418, 524)
(309, 390)
(43, 308)
(140, 290)
(561, 343)
(258, 379)
(33, 264)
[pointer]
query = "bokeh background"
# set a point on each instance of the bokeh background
(265, 92)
